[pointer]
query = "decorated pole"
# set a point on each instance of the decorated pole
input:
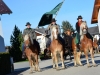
(59, 9)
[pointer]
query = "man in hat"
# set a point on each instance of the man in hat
(78, 23)
(28, 30)
(49, 28)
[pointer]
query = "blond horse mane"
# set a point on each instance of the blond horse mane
(53, 32)
(26, 37)
(83, 25)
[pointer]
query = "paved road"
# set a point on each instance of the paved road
(46, 67)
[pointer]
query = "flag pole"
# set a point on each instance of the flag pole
(59, 9)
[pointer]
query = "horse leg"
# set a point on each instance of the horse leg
(53, 59)
(86, 56)
(56, 59)
(33, 65)
(30, 62)
(75, 55)
(92, 57)
(70, 55)
(62, 59)
(37, 63)
(97, 49)
(78, 57)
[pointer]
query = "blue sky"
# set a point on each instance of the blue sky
(32, 11)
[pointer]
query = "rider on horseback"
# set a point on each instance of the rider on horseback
(30, 31)
(49, 28)
(78, 30)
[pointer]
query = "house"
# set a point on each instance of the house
(94, 31)
(40, 32)
(3, 10)
(96, 14)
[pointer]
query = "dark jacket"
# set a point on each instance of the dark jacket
(31, 32)
(77, 27)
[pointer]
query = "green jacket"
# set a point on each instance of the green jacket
(31, 32)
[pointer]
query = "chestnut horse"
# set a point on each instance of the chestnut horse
(31, 51)
(85, 46)
(56, 48)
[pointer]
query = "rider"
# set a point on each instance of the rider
(49, 28)
(28, 30)
(78, 29)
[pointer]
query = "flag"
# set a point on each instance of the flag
(54, 10)
(47, 17)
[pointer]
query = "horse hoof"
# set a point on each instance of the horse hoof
(89, 66)
(75, 66)
(30, 72)
(57, 69)
(40, 71)
(82, 65)
(54, 68)
(63, 68)
(95, 65)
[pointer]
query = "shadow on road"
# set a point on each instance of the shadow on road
(68, 64)
(18, 71)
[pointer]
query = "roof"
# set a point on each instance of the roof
(4, 9)
(95, 12)
(93, 30)
(40, 30)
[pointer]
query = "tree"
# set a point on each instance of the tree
(16, 41)
(66, 25)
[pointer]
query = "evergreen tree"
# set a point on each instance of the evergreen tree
(16, 41)
(66, 25)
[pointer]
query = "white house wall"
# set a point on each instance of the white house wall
(99, 21)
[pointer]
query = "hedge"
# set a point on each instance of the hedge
(5, 63)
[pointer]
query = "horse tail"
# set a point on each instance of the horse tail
(58, 56)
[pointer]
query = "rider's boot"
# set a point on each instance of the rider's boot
(23, 55)
(23, 51)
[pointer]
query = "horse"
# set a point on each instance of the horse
(68, 46)
(31, 50)
(95, 45)
(86, 45)
(56, 48)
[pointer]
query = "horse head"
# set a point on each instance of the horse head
(68, 32)
(83, 28)
(54, 33)
(27, 40)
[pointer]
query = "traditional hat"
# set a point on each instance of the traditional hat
(27, 24)
(53, 20)
(79, 17)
